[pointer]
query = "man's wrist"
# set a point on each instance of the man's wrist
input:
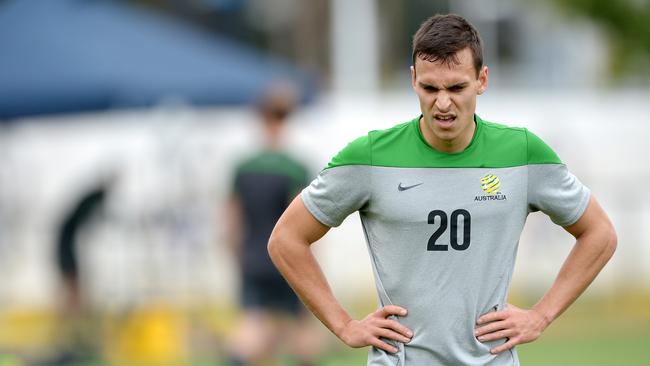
(545, 316)
(339, 328)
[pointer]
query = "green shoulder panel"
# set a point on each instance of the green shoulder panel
(356, 152)
(501, 146)
(539, 152)
(396, 146)
(493, 146)
(403, 146)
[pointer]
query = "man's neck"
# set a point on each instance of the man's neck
(460, 143)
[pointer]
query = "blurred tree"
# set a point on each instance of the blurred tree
(627, 22)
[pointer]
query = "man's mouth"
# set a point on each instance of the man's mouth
(444, 120)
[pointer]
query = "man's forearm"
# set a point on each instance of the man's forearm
(289, 248)
(233, 234)
(596, 242)
(301, 270)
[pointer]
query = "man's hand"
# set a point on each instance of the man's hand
(516, 325)
(367, 332)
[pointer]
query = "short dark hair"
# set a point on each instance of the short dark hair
(440, 37)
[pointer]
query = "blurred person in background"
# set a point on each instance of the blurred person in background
(443, 200)
(264, 185)
(85, 209)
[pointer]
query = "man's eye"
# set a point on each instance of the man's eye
(430, 89)
(456, 88)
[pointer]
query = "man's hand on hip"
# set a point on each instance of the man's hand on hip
(368, 331)
(516, 325)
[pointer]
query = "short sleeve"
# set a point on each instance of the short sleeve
(342, 187)
(552, 188)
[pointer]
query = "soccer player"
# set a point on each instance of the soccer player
(264, 185)
(443, 199)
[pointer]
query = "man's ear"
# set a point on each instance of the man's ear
(413, 76)
(483, 77)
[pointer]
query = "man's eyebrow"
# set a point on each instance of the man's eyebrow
(427, 85)
(461, 84)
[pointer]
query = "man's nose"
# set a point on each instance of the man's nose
(443, 101)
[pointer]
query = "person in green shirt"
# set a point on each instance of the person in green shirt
(443, 199)
(263, 186)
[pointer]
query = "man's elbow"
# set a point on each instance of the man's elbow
(274, 246)
(611, 240)
(604, 234)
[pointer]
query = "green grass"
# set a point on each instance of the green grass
(592, 351)
(606, 331)
(593, 332)
(580, 348)
(599, 350)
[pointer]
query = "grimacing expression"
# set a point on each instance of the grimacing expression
(447, 94)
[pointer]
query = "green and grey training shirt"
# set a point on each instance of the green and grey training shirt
(443, 229)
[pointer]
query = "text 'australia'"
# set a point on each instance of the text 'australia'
(495, 197)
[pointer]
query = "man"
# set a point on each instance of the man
(443, 200)
(78, 334)
(264, 185)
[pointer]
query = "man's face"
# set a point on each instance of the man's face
(447, 94)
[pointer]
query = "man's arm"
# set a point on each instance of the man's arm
(234, 218)
(595, 245)
(289, 248)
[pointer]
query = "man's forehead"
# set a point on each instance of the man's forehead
(442, 74)
(443, 71)
(462, 59)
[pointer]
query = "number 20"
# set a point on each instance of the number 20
(453, 235)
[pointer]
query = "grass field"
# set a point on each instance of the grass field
(595, 331)
(592, 351)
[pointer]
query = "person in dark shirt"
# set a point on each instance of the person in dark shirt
(77, 333)
(263, 186)
(78, 217)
